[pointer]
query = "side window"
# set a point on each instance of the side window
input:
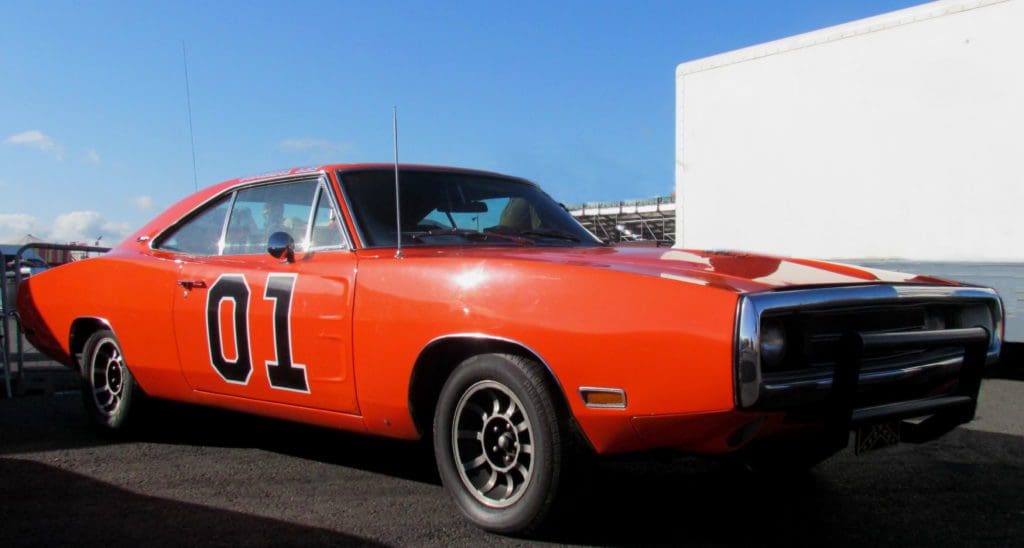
(326, 224)
(263, 210)
(199, 235)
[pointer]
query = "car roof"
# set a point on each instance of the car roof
(195, 200)
(359, 167)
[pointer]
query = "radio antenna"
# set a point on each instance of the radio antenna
(191, 134)
(398, 203)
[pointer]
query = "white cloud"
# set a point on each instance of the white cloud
(92, 157)
(87, 226)
(38, 140)
(13, 226)
(76, 226)
(143, 202)
(316, 145)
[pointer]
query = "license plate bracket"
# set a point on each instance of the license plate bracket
(876, 436)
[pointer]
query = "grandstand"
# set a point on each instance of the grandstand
(636, 222)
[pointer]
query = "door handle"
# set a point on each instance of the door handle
(189, 285)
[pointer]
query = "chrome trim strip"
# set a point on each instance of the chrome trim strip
(100, 319)
(879, 376)
(752, 306)
(71, 332)
(312, 212)
(867, 378)
(857, 294)
(224, 228)
(603, 390)
(362, 239)
(909, 409)
(476, 335)
(233, 188)
(347, 242)
(748, 355)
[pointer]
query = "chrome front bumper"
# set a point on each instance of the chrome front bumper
(940, 385)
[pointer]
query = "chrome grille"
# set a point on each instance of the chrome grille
(813, 336)
(802, 359)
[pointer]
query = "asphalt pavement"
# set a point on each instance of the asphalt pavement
(203, 477)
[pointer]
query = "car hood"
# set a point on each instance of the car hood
(735, 271)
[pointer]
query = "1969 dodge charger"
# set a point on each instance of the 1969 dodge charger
(483, 317)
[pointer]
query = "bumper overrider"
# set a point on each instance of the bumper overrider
(845, 357)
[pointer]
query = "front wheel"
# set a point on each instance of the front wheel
(501, 442)
(109, 390)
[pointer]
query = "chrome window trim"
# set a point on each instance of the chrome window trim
(240, 185)
(346, 241)
(151, 242)
(751, 307)
(301, 179)
(340, 174)
(312, 212)
(224, 227)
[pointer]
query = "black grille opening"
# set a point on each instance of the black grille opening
(812, 337)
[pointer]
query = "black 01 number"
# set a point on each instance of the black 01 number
(233, 290)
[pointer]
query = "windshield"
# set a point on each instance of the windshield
(446, 208)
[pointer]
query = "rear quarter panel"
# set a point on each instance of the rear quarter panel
(131, 292)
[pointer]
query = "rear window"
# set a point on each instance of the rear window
(199, 234)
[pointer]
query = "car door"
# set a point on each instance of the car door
(254, 326)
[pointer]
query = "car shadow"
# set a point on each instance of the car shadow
(1011, 363)
(174, 423)
(964, 488)
(47, 423)
(44, 423)
(905, 496)
(87, 512)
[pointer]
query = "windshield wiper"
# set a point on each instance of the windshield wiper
(547, 233)
(471, 235)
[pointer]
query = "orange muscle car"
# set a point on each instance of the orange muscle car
(485, 318)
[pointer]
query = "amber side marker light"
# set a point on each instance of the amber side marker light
(603, 397)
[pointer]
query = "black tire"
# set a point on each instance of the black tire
(517, 502)
(109, 391)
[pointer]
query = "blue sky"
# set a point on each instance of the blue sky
(578, 96)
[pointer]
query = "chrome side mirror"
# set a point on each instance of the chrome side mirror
(280, 245)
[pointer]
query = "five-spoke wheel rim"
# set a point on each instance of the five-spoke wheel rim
(107, 372)
(492, 442)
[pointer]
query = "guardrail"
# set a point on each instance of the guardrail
(657, 200)
(8, 312)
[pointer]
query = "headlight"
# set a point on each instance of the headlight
(772, 345)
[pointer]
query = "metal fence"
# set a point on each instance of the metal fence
(648, 221)
(8, 289)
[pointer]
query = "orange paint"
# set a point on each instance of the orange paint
(654, 322)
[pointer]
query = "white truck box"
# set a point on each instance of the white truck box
(895, 141)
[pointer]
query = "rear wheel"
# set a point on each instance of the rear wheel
(109, 390)
(501, 442)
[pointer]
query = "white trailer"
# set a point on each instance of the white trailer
(895, 141)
